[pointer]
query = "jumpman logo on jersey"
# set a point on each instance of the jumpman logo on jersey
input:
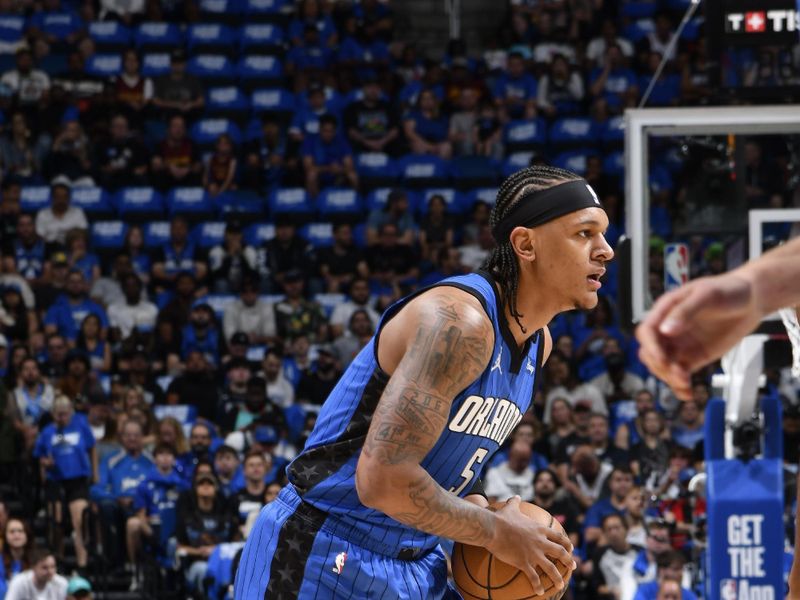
(339, 566)
(529, 367)
(496, 365)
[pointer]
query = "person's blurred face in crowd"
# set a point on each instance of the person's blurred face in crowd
(255, 468)
(652, 423)
(75, 285)
(200, 317)
(372, 92)
(327, 132)
(559, 68)
(325, 362)
(177, 129)
(200, 439)
(658, 539)
(293, 288)
(468, 99)
(560, 412)
(239, 376)
(669, 589)
(256, 396)
(167, 433)
(59, 198)
(613, 56)
(205, 489)
(300, 346)
(77, 368)
(177, 67)
(131, 437)
(16, 537)
(343, 235)
(19, 128)
(165, 461)
(271, 492)
(524, 433)
(195, 362)
(24, 62)
(316, 99)
(62, 415)
(620, 484)
(644, 402)
(700, 394)
(427, 101)
(544, 487)
(388, 235)
(516, 66)
(359, 291)
(56, 349)
(585, 463)
(272, 366)
(225, 464)
(360, 324)
(29, 373)
(689, 413)
(635, 502)
(132, 289)
(672, 572)
(119, 128)
(598, 429)
(184, 285)
(284, 232)
(44, 571)
(130, 63)
(249, 293)
(614, 531)
(179, 231)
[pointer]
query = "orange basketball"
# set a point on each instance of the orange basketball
(480, 576)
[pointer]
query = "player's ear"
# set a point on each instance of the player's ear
(523, 241)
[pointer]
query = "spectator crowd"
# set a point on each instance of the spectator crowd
(206, 206)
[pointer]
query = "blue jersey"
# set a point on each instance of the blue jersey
(120, 475)
(69, 447)
(30, 261)
(481, 417)
(67, 316)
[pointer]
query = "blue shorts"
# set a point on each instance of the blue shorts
(291, 554)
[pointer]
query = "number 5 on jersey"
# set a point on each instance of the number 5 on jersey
(468, 473)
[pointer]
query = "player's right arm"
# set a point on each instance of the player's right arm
(436, 347)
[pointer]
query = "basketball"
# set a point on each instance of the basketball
(478, 575)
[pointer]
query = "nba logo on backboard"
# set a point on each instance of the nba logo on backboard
(727, 589)
(676, 265)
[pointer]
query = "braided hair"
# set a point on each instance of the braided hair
(502, 262)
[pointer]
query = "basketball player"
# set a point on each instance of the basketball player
(697, 323)
(403, 436)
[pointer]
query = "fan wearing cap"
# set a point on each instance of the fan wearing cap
(232, 263)
(79, 588)
(393, 462)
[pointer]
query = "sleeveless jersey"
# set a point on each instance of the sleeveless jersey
(481, 417)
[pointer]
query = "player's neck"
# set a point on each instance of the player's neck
(535, 308)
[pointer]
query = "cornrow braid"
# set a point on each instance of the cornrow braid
(502, 262)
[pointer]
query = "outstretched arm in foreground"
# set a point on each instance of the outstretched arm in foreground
(697, 323)
(434, 348)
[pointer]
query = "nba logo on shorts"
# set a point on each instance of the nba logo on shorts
(676, 265)
(727, 589)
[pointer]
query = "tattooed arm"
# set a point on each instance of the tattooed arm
(435, 347)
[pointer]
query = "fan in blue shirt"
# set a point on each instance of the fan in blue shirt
(310, 14)
(327, 158)
(515, 90)
(614, 80)
(154, 505)
(670, 569)
(65, 316)
(620, 483)
(312, 54)
(306, 119)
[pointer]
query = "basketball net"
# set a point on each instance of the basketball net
(789, 318)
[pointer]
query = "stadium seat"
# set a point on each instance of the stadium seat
(571, 132)
(257, 71)
(329, 301)
(60, 24)
(641, 9)
(266, 38)
(691, 32)
(612, 134)
(339, 204)
(190, 202)
(205, 132)
(110, 35)
(360, 235)
(267, 11)
(185, 414)
(488, 195)
(319, 235)
(104, 66)
(638, 30)
(34, 197)
(259, 233)
(156, 234)
(139, 204)
(515, 162)
(451, 197)
(376, 199)
(210, 38)
(156, 64)
(213, 69)
(292, 202)
(525, 134)
(11, 28)
(375, 169)
(94, 201)
(471, 171)
(154, 37)
(228, 12)
(52, 64)
(242, 202)
(228, 102)
(574, 160)
(666, 91)
(278, 102)
(614, 164)
(419, 171)
(108, 235)
(209, 234)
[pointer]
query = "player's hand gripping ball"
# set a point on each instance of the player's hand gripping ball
(478, 575)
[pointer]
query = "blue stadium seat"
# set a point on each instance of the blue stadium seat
(319, 235)
(691, 32)
(488, 195)
(217, 302)
(516, 161)
(525, 134)
(52, 64)
(139, 204)
(470, 171)
(186, 414)
(256, 38)
(228, 102)
(34, 197)
(339, 203)
(210, 38)
(640, 9)
(190, 202)
(360, 235)
(259, 233)
(573, 131)
(375, 169)
(614, 164)
(110, 35)
(666, 90)
(158, 37)
(281, 103)
(206, 131)
(11, 28)
(243, 202)
(267, 11)
(291, 201)
(60, 24)
(613, 132)
(574, 160)
(451, 197)
(258, 71)
(329, 301)
(221, 11)
(209, 234)
(94, 201)
(638, 30)
(156, 234)
(155, 64)
(108, 235)
(420, 171)
(104, 65)
(213, 69)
